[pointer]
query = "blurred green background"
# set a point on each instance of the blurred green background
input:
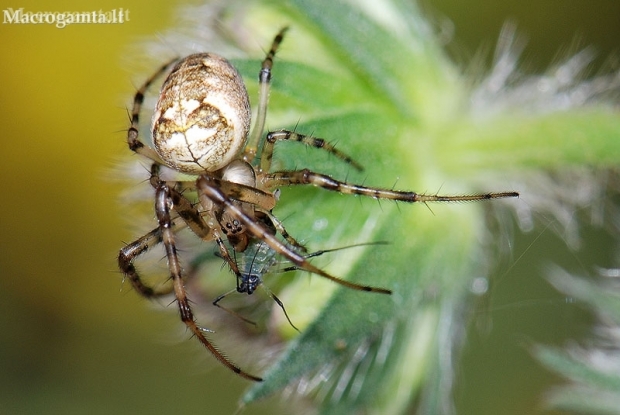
(75, 340)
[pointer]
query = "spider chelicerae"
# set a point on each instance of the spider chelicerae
(201, 127)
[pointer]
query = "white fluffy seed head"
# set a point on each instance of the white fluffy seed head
(202, 117)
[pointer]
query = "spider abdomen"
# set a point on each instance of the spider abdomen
(202, 117)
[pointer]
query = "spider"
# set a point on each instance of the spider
(201, 127)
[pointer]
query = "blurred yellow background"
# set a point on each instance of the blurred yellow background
(73, 338)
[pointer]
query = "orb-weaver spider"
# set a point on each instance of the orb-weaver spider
(201, 127)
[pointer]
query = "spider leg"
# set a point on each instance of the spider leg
(167, 198)
(225, 255)
(279, 226)
(247, 194)
(193, 218)
(164, 200)
(264, 81)
(304, 177)
(132, 133)
(281, 135)
(190, 217)
(235, 191)
(131, 251)
(210, 194)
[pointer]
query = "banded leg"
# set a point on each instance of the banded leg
(247, 194)
(264, 81)
(163, 203)
(225, 255)
(191, 218)
(282, 135)
(182, 206)
(279, 226)
(210, 194)
(132, 133)
(305, 177)
(131, 251)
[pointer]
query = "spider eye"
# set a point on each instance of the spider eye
(202, 116)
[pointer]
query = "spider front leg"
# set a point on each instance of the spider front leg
(305, 177)
(163, 204)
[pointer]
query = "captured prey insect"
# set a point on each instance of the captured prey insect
(258, 260)
(201, 127)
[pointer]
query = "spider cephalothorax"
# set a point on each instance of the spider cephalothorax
(201, 127)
